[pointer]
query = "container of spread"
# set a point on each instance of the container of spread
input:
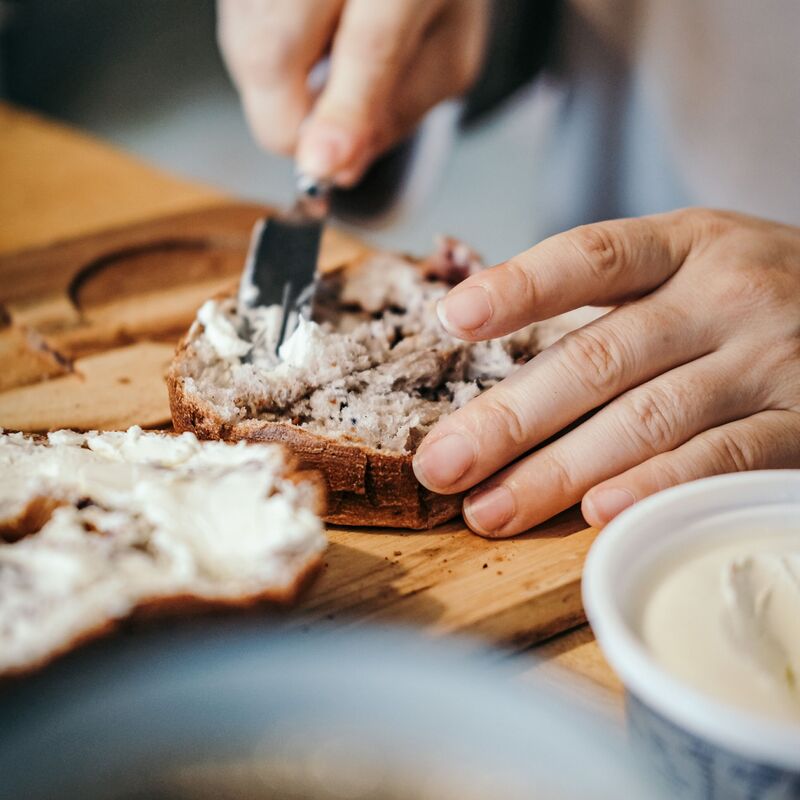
(694, 596)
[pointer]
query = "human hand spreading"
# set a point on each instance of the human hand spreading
(696, 372)
(390, 63)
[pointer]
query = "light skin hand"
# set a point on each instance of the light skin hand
(390, 63)
(270, 46)
(696, 371)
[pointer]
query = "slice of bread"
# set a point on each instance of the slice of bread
(353, 393)
(96, 527)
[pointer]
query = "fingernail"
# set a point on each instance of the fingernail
(441, 463)
(324, 149)
(464, 309)
(605, 504)
(489, 511)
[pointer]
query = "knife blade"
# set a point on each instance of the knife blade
(281, 263)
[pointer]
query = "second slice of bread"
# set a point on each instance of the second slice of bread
(97, 527)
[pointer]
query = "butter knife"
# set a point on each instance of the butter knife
(281, 264)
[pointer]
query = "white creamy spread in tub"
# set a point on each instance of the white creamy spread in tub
(727, 621)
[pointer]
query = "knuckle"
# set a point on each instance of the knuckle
(265, 60)
(667, 471)
(734, 452)
(595, 359)
(523, 283)
(652, 417)
(772, 370)
(752, 285)
(504, 417)
(274, 58)
(784, 355)
(735, 290)
(710, 222)
(600, 247)
(560, 479)
(373, 43)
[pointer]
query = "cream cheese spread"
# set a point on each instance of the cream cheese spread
(204, 495)
(305, 345)
(141, 516)
(727, 621)
(220, 332)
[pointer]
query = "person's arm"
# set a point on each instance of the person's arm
(389, 63)
(696, 372)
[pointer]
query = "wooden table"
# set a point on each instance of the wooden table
(58, 184)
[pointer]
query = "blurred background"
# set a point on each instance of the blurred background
(148, 77)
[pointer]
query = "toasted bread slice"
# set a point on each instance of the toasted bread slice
(364, 486)
(97, 527)
(353, 393)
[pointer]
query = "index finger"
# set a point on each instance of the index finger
(372, 47)
(599, 264)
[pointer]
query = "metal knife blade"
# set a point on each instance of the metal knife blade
(281, 263)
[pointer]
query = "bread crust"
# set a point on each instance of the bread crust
(179, 606)
(365, 487)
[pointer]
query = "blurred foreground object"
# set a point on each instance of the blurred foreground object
(225, 710)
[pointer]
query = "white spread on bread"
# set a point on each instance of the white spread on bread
(377, 370)
(728, 622)
(141, 518)
(220, 332)
(306, 348)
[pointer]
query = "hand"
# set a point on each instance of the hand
(695, 373)
(390, 63)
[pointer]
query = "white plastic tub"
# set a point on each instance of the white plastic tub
(700, 746)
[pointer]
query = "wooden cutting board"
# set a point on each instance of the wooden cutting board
(87, 329)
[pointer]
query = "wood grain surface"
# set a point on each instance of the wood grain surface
(95, 285)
